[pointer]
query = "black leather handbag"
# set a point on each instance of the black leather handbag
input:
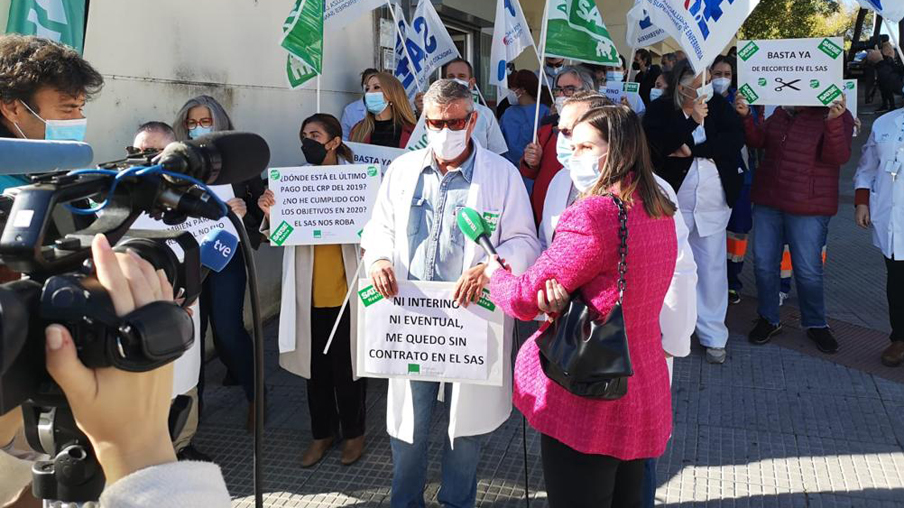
(584, 355)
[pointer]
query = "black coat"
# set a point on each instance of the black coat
(667, 129)
(647, 81)
(251, 190)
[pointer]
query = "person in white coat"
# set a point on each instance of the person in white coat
(879, 184)
(412, 235)
(314, 283)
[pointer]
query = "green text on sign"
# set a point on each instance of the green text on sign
(485, 302)
(749, 94)
(748, 51)
(830, 48)
(282, 233)
(369, 296)
(830, 94)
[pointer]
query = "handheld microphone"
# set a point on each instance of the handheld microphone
(476, 229)
(217, 249)
(224, 157)
(24, 156)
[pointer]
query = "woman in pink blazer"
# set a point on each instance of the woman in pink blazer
(593, 450)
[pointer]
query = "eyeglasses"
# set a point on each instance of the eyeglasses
(567, 91)
(204, 122)
(455, 124)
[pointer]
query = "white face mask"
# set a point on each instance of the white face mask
(706, 90)
(585, 171)
(720, 85)
(448, 144)
(563, 150)
(560, 103)
(656, 93)
(512, 97)
(462, 83)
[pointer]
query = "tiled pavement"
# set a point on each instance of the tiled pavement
(772, 427)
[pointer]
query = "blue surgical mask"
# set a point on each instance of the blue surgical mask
(61, 130)
(199, 131)
(553, 71)
(656, 93)
(375, 102)
(563, 149)
(614, 76)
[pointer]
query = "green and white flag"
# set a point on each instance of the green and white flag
(575, 30)
(58, 20)
(303, 39)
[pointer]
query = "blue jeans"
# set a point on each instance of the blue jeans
(806, 235)
(409, 461)
(649, 483)
(222, 304)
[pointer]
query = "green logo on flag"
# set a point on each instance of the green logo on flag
(829, 94)
(61, 21)
(369, 296)
(297, 72)
(576, 30)
(414, 368)
(282, 233)
(485, 302)
(748, 51)
(274, 174)
(318, 233)
(303, 39)
(748, 93)
(372, 171)
(830, 48)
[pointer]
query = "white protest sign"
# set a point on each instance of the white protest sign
(850, 94)
(318, 205)
(198, 227)
(791, 72)
(427, 42)
(374, 154)
(422, 334)
(340, 13)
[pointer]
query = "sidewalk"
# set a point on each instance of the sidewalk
(776, 426)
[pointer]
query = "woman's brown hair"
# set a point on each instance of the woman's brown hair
(628, 167)
(333, 129)
(398, 103)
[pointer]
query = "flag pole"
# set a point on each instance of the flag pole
(891, 33)
(318, 93)
(630, 65)
(541, 72)
(402, 38)
(348, 295)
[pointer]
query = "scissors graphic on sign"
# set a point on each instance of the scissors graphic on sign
(786, 85)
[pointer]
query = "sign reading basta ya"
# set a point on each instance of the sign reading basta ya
(791, 72)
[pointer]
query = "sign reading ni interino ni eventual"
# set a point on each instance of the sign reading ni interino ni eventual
(318, 205)
(423, 334)
(791, 72)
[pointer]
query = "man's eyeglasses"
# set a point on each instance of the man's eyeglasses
(204, 122)
(455, 124)
(567, 91)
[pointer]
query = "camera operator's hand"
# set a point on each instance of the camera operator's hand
(124, 414)
(238, 207)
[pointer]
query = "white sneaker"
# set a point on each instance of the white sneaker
(716, 355)
(782, 296)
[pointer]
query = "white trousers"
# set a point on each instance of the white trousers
(710, 253)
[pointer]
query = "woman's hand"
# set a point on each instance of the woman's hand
(682, 152)
(741, 106)
(124, 414)
(554, 299)
(266, 200)
(862, 217)
(701, 110)
(837, 108)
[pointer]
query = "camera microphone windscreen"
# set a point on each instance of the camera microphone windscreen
(217, 249)
(220, 158)
(26, 156)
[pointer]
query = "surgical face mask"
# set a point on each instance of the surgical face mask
(706, 90)
(563, 149)
(560, 103)
(375, 102)
(614, 76)
(60, 130)
(585, 171)
(462, 83)
(656, 93)
(448, 144)
(512, 97)
(314, 152)
(199, 131)
(720, 85)
(553, 71)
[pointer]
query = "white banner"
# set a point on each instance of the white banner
(198, 227)
(422, 334)
(427, 42)
(374, 154)
(892, 10)
(702, 27)
(340, 13)
(791, 72)
(318, 205)
(511, 36)
(641, 30)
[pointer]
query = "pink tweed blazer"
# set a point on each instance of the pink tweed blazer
(584, 256)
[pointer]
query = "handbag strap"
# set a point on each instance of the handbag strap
(622, 247)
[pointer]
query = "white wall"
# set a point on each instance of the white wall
(157, 54)
(4, 14)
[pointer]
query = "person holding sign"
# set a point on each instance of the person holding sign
(594, 450)
(315, 280)
(700, 160)
(389, 120)
(222, 297)
(413, 235)
(795, 194)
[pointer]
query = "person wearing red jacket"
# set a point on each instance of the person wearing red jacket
(795, 193)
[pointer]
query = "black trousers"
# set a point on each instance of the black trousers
(895, 290)
(578, 480)
(335, 399)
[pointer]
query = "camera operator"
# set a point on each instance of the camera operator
(124, 414)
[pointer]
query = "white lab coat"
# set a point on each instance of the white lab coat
(679, 310)
(487, 131)
(496, 187)
(883, 156)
